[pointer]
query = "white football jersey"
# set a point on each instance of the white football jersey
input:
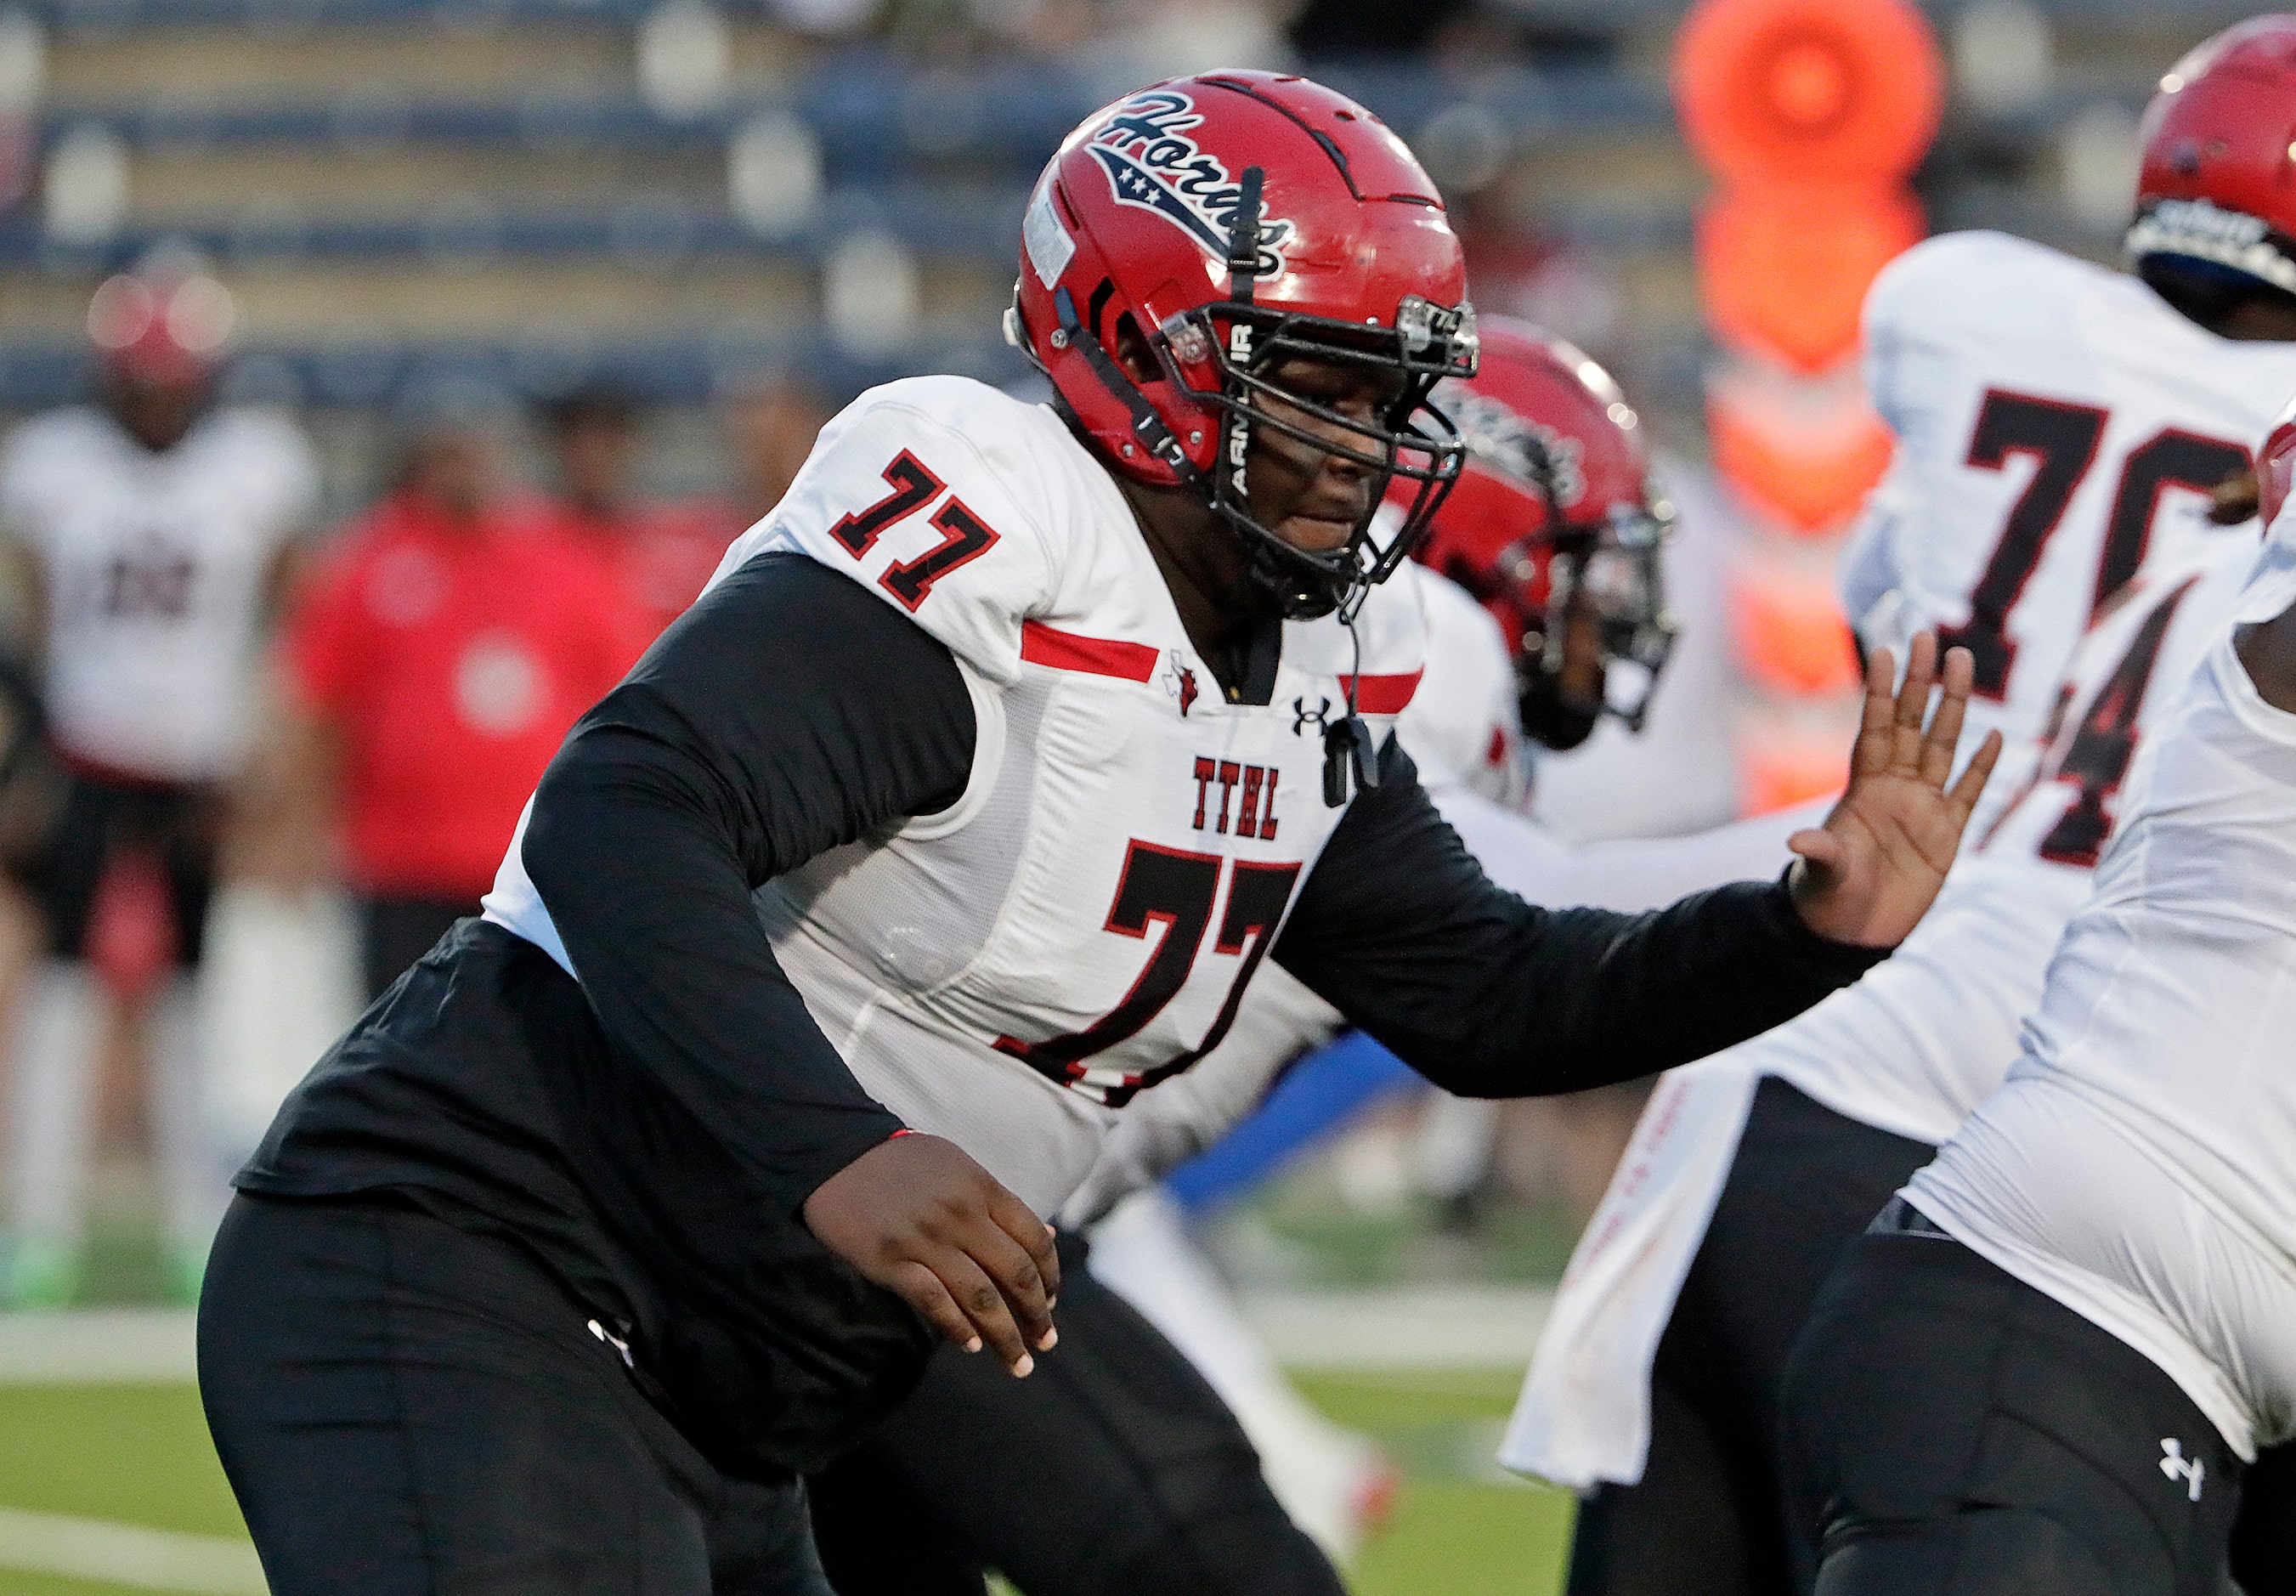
(1921, 1040)
(1463, 728)
(2136, 1164)
(1084, 921)
(1912, 1048)
(2058, 427)
(153, 566)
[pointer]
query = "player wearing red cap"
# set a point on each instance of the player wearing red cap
(959, 811)
(2216, 194)
(155, 523)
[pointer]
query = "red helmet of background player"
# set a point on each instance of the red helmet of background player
(1553, 510)
(1226, 223)
(161, 326)
(2216, 199)
(2276, 466)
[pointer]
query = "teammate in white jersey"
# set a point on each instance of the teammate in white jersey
(2045, 1365)
(1035, 730)
(2061, 431)
(154, 524)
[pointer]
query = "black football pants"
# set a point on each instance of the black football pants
(1709, 1518)
(1113, 1470)
(404, 1408)
(1950, 1431)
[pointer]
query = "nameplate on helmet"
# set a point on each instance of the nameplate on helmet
(1050, 248)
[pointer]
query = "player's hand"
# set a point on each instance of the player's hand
(1869, 874)
(920, 1218)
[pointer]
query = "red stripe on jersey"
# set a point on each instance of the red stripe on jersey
(1041, 645)
(1383, 695)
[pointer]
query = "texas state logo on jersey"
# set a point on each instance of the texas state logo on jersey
(2059, 429)
(1085, 921)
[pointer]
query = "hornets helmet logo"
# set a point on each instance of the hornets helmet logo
(1151, 163)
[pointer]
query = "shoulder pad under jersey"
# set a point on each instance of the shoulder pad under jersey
(957, 503)
(1462, 725)
(1975, 291)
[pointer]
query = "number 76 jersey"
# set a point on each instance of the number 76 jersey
(2059, 428)
(1085, 920)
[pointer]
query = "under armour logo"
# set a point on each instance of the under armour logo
(2175, 1465)
(1301, 715)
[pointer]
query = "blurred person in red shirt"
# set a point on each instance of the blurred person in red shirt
(661, 554)
(431, 666)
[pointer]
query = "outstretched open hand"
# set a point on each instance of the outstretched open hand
(1869, 874)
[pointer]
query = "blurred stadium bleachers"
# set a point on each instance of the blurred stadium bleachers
(672, 193)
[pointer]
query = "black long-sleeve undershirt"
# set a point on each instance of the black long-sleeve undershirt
(787, 714)
(652, 1131)
(792, 711)
(1487, 996)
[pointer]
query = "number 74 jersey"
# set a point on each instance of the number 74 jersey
(2108, 709)
(1085, 918)
(2059, 428)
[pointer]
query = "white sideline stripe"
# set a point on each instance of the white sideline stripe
(128, 1554)
(97, 1346)
(1432, 1327)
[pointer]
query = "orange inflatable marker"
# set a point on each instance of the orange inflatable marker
(1805, 454)
(1809, 90)
(1779, 767)
(1789, 632)
(1783, 268)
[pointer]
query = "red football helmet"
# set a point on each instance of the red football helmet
(161, 326)
(1552, 523)
(2216, 201)
(2276, 467)
(1227, 222)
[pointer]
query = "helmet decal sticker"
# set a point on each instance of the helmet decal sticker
(1154, 164)
(1500, 438)
(1044, 237)
(2201, 230)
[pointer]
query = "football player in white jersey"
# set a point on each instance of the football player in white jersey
(1555, 515)
(2045, 1366)
(2061, 431)
(153, 525)
(1035, 730)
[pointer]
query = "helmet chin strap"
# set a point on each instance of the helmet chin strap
(1242, 268)
(1346, 744)
(1350, 762)
(1347, 751)
(1148, 427)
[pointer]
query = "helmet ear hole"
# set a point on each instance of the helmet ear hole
(1133, 352)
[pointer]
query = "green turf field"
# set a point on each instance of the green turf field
(1461, 1527)
(138, 1455)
